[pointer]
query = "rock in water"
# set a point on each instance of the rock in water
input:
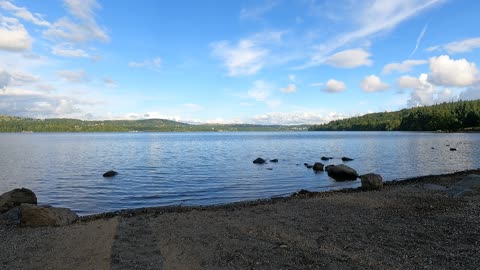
(16, 197)
(259, 161)
(453, 149)
(326, 158)
(36, 216)
(110, 174)
(347, 159)
(371, 181)
(318, 167)
(274, 160)
(342, 173)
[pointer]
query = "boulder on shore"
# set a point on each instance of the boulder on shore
(347, 159)
(371, 181)
(36, 216)
(259, 161)
(317, 167)
(341, 172)
(110, 174)
(15, 197)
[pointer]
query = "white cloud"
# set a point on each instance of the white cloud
(248, 56)
(350, 59)
(23, 13)
(408, 82)
(255, 12)
(13, 35)
(73, 76)
(294, 118)
(449, 72)
(419, 39)
(373, 83)
(462, 46)
(334, 86)
(471, 93)
(403, 67)
(84, 29)
(371, 19)
(109, 82)
(5, 79)
(260, 91)
(291, 88)
(153, 64)
(291, 77)
(40, 105)
(423, 92)
(68, 50)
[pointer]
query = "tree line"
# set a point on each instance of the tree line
(448, 116)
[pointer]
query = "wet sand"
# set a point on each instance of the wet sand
(428, 222)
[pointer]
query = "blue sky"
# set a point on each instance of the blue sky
(263, 62)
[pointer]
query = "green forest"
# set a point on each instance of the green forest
(17, 124)
(453, 116)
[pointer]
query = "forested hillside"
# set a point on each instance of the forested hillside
(17, 124)
(454, 116)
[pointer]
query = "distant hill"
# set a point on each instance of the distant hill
(453, 116)
(18, 124)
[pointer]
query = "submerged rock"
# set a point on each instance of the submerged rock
(259, 161)
(342, 173)
(347, 159)
(326, 158)
(15, 197)
(274, 160)
(110, 174)
(371, 181)
(453, 149)
(318, 167)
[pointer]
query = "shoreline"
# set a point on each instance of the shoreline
(430, 222)
(128, 212)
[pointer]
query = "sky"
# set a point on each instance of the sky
(260, 62)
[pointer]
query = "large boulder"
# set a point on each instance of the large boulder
(259, 161)
(16, 197)
(342, 173)
(318, 167)
(36, 216)
(371, 181)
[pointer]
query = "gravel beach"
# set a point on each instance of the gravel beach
(430, 222)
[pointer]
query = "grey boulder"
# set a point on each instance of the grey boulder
(16, 197)
(341, 173)
(318, 167)
(36, 216)
(371, 181)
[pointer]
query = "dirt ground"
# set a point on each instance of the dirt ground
(424, 223)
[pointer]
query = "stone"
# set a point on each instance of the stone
(347, 159)
(371, 181)
(110, 174)
(326, 158)
(453, 149)
(318, 166)
(342, 173)
(36, 216)
(15, 197)
(274, 160)
(259, 161)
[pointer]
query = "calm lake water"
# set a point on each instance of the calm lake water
(65, 169)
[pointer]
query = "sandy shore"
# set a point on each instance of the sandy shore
(424, 223)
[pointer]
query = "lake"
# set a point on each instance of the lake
(156, 169)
